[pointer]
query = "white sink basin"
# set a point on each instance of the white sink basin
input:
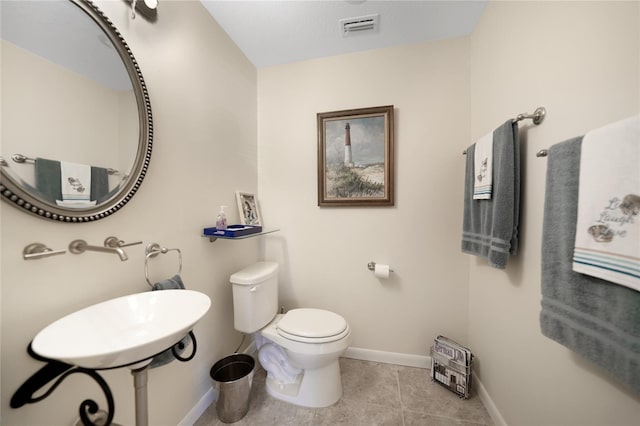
(122, 331)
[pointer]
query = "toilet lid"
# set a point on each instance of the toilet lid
(312, 325)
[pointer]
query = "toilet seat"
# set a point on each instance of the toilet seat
(312, 326)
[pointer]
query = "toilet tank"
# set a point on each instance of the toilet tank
(255, 296)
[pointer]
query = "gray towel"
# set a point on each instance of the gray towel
(595, 318)
(490, 227)
(173, 283)
(47, 173)
(99, 184)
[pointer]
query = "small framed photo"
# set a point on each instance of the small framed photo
(248, 208)
(355, 157)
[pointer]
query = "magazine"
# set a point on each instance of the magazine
(451, 365)
(452, 350)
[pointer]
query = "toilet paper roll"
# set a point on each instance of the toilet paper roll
(381, 271)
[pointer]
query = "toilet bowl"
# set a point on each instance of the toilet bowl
(299, 349)
(319, 383)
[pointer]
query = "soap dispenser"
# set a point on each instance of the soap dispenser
(221, 221)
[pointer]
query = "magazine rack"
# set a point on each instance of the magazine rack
(451, 366)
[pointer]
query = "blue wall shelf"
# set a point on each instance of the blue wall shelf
(212, 238)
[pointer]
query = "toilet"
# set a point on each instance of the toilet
(299, 349)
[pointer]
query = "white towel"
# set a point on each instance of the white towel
(483, 168)
(75, 181)
(607, 243)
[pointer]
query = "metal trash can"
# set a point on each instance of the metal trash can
(232, 376)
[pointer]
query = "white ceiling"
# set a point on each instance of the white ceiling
(273, 32)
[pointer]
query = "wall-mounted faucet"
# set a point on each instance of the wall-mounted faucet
(80, 246)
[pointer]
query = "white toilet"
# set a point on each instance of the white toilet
(299, 349)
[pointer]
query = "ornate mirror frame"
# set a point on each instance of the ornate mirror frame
(19, 196)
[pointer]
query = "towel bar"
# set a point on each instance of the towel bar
(538, 116)
(19, 158)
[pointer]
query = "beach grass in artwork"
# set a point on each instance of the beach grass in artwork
(349, 182)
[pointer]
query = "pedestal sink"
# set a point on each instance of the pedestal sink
(124, 332)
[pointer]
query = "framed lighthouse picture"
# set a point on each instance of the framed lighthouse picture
(355, 157)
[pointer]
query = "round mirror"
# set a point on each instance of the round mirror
(77, 131)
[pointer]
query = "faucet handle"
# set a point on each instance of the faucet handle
(115, 242)
(39, 250)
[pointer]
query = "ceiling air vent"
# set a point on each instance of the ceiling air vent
(359, 25)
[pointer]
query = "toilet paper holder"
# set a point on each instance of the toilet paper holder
(372, 266)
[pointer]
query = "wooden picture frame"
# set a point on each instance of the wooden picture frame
(248, 208)
(355, 157)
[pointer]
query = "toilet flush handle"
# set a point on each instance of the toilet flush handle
(254, 289)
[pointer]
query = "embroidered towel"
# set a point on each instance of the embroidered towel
(75, 181)
(490, 227)
(607, 242)
(595, 318)
(483, 168)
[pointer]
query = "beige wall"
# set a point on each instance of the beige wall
(203, 96)
(324, 251)
(55, 98)
(580, 61)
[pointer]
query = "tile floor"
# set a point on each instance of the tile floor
(373, 394)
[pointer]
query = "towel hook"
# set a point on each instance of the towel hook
(151, 251)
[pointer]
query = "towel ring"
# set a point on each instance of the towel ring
(151, 251)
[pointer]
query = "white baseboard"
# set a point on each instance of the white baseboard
(251, 348)
(192, 416)
(484, 396)
(208, 398)
(408, 360)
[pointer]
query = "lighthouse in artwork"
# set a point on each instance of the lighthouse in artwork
(348, 161)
